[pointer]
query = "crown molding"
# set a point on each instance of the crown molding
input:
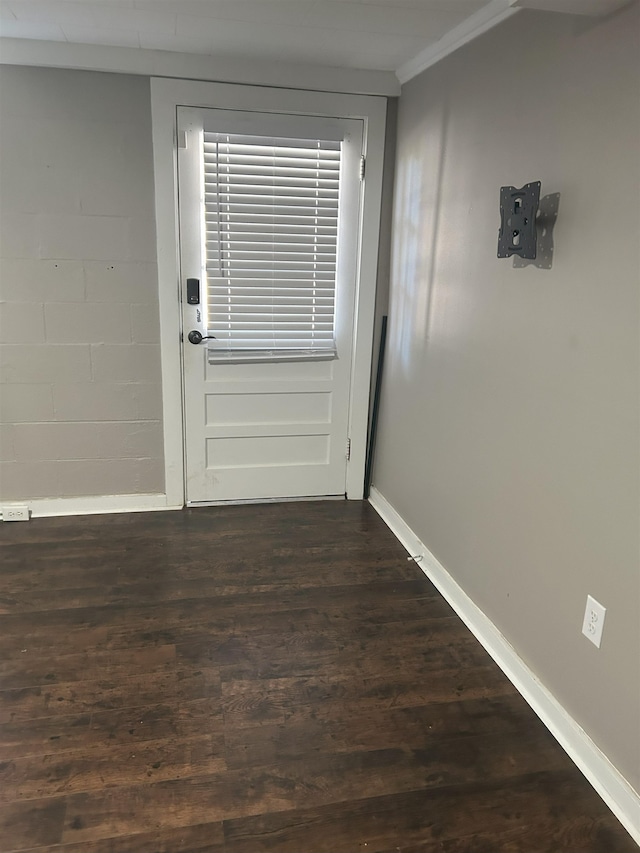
(593, 8)
(164, 63)
(484, 19)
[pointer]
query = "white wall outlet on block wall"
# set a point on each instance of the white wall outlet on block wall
(593, 621)
(15, 512)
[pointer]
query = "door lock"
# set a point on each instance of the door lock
(193, 291)
(196, 337)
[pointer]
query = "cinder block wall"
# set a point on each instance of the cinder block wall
(80, 400)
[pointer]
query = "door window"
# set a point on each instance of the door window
(270, 207)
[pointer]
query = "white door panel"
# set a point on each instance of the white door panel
(265, 429)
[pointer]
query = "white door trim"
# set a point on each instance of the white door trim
(166, 96)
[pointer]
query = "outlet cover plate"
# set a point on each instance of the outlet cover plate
(15, 512)
(593, 621)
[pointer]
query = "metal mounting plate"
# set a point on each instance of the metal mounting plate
(518, 210)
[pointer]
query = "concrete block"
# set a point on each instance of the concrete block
(148, 398)
(142, 439)
(83, 237)
(149, 475)
(141, 239)
(25, 403)
(41, 363)
(55, 188)
(95, 401)
(109, 477)
(117, 153)
(7, 449)
(83, 478)
(24, 480)
(18, 190)
(126, 363)
(121, 281)
(106, 401)
(63, 95)
(87, 440)
(85, 322)
(145, 324)
(37, 280)
(37, 178)
(21, 322)
(19, 235)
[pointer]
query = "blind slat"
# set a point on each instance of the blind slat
(294, 293)
(265, 277)
(281, 225)
(312, 197)
(258, 177)
(252, 211)
(287, 250)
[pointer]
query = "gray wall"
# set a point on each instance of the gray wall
(80, 402)
(510, 417)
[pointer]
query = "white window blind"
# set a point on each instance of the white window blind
(271, 214)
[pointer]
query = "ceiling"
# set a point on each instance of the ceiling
(365, 34)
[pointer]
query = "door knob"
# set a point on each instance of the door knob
(196, 337)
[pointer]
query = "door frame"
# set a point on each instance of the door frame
(166, 96)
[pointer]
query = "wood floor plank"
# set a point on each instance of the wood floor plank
(37, 670)
(289, 785)
(101, 766)
(278, 700)
(24, 825)
(442, 643)
(233, 572)
(539, 813)
(200, 838)
(226, 643)
(202, 600)
(379, 603)
(126, 726)
(206, 578)
(222, 581)
(261, 678)
(583, 832)
(44, 735)
(328, 728)
(108, 693)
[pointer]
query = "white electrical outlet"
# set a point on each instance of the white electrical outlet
(593, 621)
(15, 512)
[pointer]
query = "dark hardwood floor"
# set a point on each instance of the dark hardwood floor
(261, 678)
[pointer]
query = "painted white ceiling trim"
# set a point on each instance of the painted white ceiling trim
(489, 16)
(164, 63)
(593, 8)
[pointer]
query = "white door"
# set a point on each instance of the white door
(269, 209)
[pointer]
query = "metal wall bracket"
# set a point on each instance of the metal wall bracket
(518, 211)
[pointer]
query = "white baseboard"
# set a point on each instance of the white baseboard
(44, 507)
(614, 789)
